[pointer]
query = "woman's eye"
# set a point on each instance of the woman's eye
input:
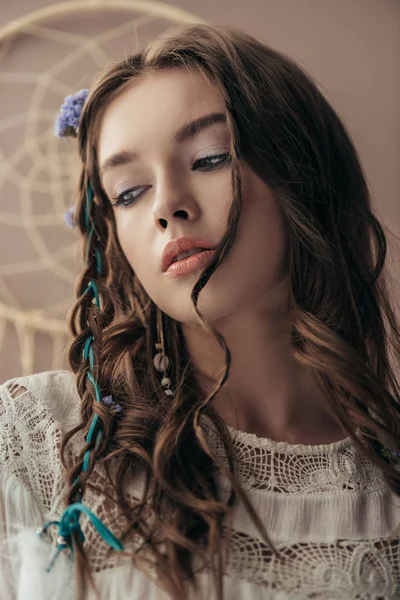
(127, 197)
(208, 163)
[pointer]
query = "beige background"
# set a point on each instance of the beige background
(351, 47)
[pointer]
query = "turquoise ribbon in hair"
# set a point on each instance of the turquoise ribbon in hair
(70, 518)
(89, 201)
(70, 523)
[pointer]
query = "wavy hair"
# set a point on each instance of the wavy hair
(343, 322)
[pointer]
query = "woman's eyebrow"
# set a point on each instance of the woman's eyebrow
(186, 132)
(194, 127)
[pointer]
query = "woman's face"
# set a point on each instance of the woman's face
(171, 188)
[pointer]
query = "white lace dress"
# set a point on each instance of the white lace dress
(327, 509)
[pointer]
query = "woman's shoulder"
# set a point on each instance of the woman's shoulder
(35, 411)
(53, 394)
(44, 382)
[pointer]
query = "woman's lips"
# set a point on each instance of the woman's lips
(190, 264)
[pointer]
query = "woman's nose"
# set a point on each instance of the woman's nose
(174, 197)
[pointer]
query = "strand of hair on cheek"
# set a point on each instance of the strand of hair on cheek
(200, 434)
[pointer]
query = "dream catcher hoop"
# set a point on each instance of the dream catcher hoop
(45, 56)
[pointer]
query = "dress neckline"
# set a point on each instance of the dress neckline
(252, 439)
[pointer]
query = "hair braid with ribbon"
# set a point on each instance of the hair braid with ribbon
(69, 525)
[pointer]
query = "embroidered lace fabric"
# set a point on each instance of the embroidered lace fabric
(327, 508)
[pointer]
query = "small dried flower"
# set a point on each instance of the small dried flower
(109, 402)
(69, 217)
(67, 120)
(390, 453)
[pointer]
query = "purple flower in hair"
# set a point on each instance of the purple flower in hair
(390, 453)
(69, 217)
(109, 402)
(67, 120)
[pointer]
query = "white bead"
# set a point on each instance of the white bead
(160, 362)
(60, 540)
(165, 382)
(169, 392)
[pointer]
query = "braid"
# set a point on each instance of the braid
(70, 535)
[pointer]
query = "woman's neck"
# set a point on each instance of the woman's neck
(267, 391)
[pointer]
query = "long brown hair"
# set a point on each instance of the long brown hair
(344, 325)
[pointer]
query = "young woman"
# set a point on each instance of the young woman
(230, 424)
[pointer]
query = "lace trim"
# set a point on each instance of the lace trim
(362, 569)
(251, 439)
(291, 469)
